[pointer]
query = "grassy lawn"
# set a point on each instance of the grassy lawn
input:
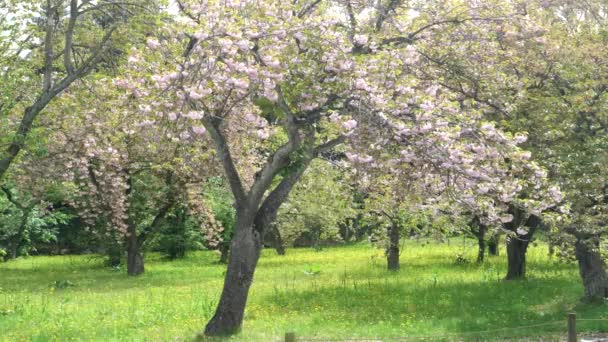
(338, 292)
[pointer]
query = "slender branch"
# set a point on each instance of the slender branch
(69, 35)
(329, 145)
(413, 36)
(236, 185)
(270, 207)
(162, 212)
(11, 198)
(48, 47)
(308, 8)
(280, 158)
(383, 12)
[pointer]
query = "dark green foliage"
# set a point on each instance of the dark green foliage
(180, 234)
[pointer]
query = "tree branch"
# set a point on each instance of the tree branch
(48, 47)
(280, 158)
(236, 185)
(270, 207)
(383, 12)
(69, 35)
(11, 198)
(325, 147)
(308, 8)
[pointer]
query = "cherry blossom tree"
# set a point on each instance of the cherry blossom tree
(132, 166)
(527, 76)
(303, 78)
(63, 41)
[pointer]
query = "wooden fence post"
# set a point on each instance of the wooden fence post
(572, 327)
(290, 337)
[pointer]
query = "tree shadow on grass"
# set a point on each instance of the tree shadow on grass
(456, 308)
(97, 277)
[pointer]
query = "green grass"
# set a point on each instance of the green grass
(351, 296)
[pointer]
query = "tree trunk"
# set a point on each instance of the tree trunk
(592, 268)
(135, 259)
(12, 251)
(272, 237)
(517, 245)
(481, 241)
(493, 245)
(516, 256)
(278, 241)
(114, 253)
(392, 253)
(224, 252)
(244, 255)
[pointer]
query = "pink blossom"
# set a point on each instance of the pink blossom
(153, 43)
(271, 95)
(540, 173)
(244, 45)
(273, 64)
(350, 124)
(200, 35)
(262, 134)
(360, 39)
(520, 138)
(555, 194)
(360, 84)
(200, 130)
(238, 83)
(299, 36)
(427, 106)
(525, 155)
(432, 90)
(195, 115)
(253, 74)
(146, 123)
(122, 84)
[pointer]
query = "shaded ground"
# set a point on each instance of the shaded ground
(339, 292)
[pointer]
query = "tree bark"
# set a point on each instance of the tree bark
(244, 254)
(481, 242)
(592, 268)
(480, 233)
(224, 253)
(114, 253)
(135, 259)
(277, 240)
(493, 245)
(392, 253)
(12, 251)
(255, 211)
(516, 257)
(272, 238)
(517, 245)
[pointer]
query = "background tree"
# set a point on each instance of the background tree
(58, 42)
(313, 213)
